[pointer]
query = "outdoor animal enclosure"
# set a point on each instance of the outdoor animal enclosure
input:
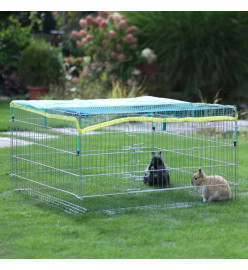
(99, 154)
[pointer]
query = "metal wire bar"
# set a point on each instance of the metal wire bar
(44, 165)
(44, 185)
(73, 169)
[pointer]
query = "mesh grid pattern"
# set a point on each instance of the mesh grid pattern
(151, 106)
(82, 154)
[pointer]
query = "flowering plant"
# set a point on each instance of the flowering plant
(107, 35)
(149, 55)
(109, 42)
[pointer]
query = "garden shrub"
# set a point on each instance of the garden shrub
(41, 64)
(206, 51)
(110, 46)
(13, 39)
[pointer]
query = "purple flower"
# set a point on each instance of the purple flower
(99, 20)
(82, 33)
(75, 35)
(69, 59)
(122, 25)
(111, 18)
(103, 14)
(105, 42)
(89, 37)
(129, 38)
(91, 21)
(79, 44)
(121, 57)
(113, 54)
(132, 29)
(118, 47)
(103, 24)
(84, 40)
(112, 34)
(79, 60)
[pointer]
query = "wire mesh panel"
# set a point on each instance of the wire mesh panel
(121, 159)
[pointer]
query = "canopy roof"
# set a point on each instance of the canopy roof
(138, 105)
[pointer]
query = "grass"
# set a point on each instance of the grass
(31, 229)
(34, 230)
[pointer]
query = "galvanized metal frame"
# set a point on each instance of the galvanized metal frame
(81, 171)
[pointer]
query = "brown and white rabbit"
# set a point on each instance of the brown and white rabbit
(211, 188)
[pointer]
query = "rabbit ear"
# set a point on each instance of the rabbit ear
(200, 171)
(153, 153)
(160, 153)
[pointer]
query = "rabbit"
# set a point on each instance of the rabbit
(156, 173)
(211, 188)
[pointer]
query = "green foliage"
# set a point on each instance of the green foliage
(68, 47)
(35, 21)
(48, 21)
(89, 89)
(121, 91)
(41, 64)
(204, 51)
(5, 115)
(13, 39)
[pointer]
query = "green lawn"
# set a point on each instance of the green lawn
(31, 229)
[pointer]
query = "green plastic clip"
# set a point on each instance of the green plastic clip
(12, 112)
(78, 144)
(164, 126)
(153, 126)
(235, 134)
